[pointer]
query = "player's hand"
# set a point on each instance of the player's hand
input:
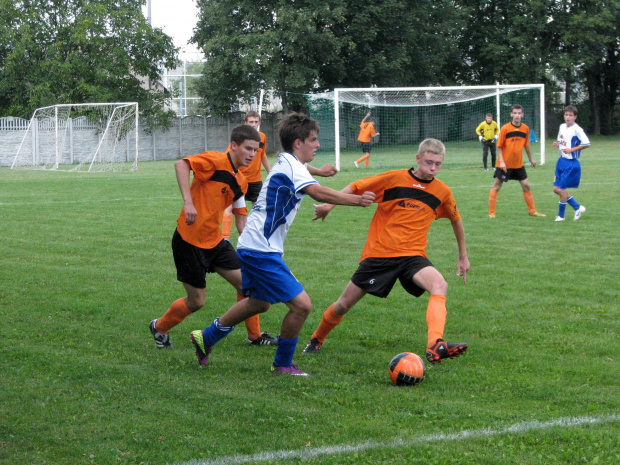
(462, 267)
(567, 150)
(494, 139)
(480, 138)
(534, 164)
(328, 170)
(321, 211)
(556, 144)
(190, 213)
(367, 199)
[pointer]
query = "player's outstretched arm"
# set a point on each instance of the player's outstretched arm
(462, 264)
(328, 195)
(327, 170)
(182, 169)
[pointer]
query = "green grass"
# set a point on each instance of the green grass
(86, 264)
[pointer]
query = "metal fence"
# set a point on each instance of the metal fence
(186, 136)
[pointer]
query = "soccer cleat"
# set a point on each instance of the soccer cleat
(559, 218)
(356, 164)
(162, 341)
(535, 213)
(313, 346)
(442, 349)
(491, 215)
(580, 211)
(264, 340)
(289, 370)
(202, 350)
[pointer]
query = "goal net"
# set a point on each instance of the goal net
(406, 116)
(81, 137)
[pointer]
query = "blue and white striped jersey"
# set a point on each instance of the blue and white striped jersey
(276, 206)
(569, 137)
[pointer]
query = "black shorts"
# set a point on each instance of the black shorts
(518, 174)
(193, 263)
(366, 147)
(377, 276)
(253, 191)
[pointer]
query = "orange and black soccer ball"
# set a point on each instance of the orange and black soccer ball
(407, 369)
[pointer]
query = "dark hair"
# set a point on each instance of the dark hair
(252, 114)
(571, 108)
(516, 106)
(295, 126)
(244, 132)
(489, 114)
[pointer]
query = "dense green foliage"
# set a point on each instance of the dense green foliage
(86, 264)
(78, 51)
(314, 46)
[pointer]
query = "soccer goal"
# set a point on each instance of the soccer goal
(408, 115)
(81, 137)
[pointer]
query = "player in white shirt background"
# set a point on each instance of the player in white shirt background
(571, 141)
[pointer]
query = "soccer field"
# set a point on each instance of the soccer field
(86, 265)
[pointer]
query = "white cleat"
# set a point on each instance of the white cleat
(356, 164)
(580, 211)
(559, 218)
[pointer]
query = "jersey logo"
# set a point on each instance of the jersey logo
(372, 281)
(404, 204)
(420, 186)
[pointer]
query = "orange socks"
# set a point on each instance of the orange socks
(492, 201)
(328, 322)
(227, 222)
(529, 200)
(177, 312)
(361, 159)
(436, 317)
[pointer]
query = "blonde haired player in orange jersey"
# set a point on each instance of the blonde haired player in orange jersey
(367, 132)
(513, 138)
(408, 202)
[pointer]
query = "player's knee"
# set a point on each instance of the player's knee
(439, 286)
(195, 303)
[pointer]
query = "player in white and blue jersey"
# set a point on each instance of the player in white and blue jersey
(571, 141)
(266, 278)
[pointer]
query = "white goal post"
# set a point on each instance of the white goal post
(407, 115)
(81, 137)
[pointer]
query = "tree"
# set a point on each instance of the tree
(589, 43)
(263, 44)
(76, 51)
(312, 46)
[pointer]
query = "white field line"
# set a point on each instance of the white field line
(314, 452)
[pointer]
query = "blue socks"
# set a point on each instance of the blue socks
(215, 331)
(285, 351)
(562, 209)
(573, 203)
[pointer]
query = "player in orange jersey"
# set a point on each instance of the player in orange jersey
(408, 202)
(197, 244)
(513, 138)
(367, 132)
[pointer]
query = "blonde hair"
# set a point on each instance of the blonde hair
(432, 145)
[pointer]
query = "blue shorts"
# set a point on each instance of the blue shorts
(567, 173)
(266, 277)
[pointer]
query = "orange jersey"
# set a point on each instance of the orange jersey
(367, 130)
(407, 207)
(252, 172)
(512, 140)
(215, 186)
